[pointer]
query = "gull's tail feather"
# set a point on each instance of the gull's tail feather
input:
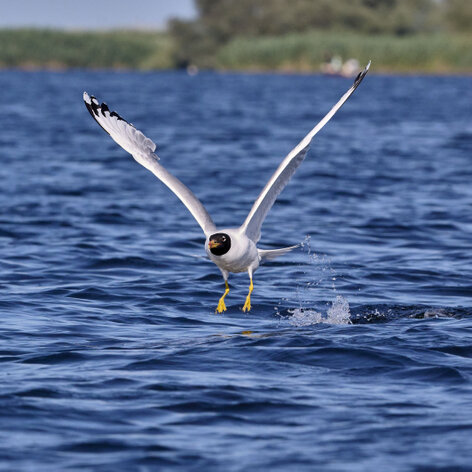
(269, 254)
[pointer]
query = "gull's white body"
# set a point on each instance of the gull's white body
(243, 255)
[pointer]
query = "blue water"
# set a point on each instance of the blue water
(357, 355)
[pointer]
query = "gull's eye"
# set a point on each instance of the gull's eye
(223, 238)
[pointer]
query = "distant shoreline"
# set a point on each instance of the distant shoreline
(374, 71)
(298, 54)
(384, 73)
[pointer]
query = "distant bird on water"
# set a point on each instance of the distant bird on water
(231, 249)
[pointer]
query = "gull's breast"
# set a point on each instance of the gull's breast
(242, 255)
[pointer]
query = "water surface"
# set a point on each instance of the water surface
(357, 353)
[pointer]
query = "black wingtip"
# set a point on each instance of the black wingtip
(118, 117)
(361, 75)
(96, 109)
(94, 105)
(88, 103)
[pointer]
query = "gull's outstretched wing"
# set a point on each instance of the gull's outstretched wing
(280, 178)
(142, 149)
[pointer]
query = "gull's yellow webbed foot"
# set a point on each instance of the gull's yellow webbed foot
(221, 304)
(247, 305)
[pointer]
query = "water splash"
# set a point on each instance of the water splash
(338, 314)
(324, 278)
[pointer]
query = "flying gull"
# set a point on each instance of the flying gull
(231, 249)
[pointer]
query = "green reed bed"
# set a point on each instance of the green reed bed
(32, 48)
(439, 53)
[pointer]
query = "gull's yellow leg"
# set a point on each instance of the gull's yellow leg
(221, 304)
(247, 305)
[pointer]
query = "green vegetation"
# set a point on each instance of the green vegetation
(306, 52)
(225, 31)
(433, 36)
(30, 48)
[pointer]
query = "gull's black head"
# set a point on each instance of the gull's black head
(219, 244)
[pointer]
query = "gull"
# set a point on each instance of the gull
(231, 249)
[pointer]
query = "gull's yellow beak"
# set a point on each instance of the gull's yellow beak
(212, 244)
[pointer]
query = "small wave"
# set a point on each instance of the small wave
(126, 262)
(385, 313)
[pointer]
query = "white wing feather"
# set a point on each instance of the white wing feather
(142, 149)
(280, 178)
